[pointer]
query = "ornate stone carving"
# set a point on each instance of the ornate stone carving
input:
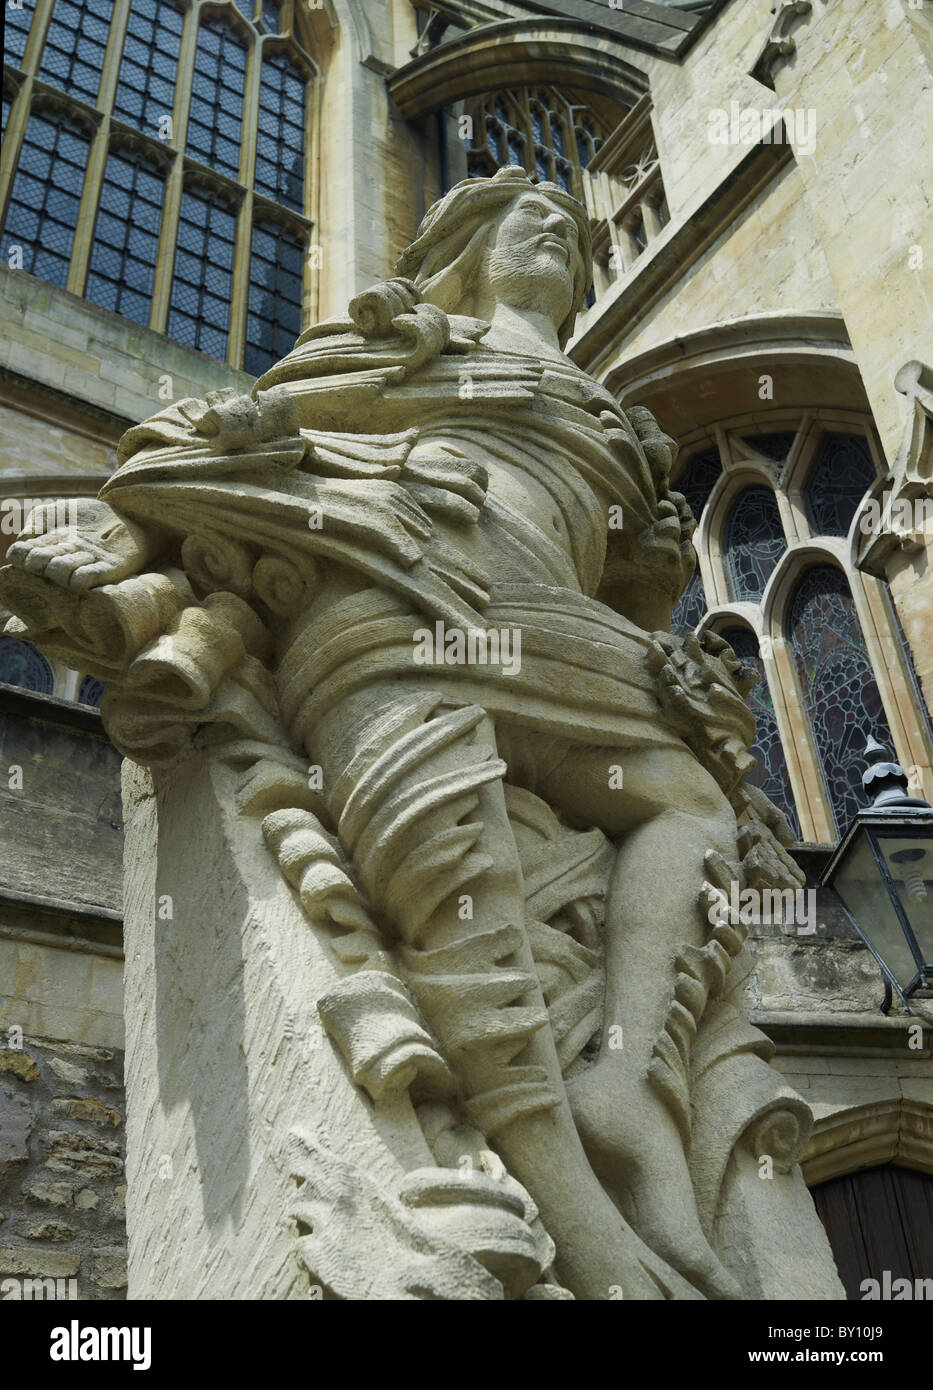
(780, 45)
(897, 513)
(477, 817)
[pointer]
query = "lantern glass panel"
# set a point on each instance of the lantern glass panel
(861, 887)
(910, 863)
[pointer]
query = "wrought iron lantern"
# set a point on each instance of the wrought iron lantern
(882, 875)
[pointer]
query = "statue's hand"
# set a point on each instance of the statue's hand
(446, 481)
(96, 547)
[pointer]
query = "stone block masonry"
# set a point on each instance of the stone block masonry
(62, 1184)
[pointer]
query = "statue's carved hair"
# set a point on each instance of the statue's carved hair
(444, 258)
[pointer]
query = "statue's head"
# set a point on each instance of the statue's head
(503, 238)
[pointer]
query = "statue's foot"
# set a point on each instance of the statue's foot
(635, 1148)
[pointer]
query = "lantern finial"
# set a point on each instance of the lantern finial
(885, 780)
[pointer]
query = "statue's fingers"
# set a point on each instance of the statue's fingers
(60, 568)
(39, 556)
(90, 576)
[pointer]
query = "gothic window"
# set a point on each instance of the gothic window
(185, 104)
(816, 666)
(771, 773)
(280, 141)
(73, 56)
(273, 319)
(214, 121)
(46, 195)
(840, 695)
(123, 256)
(203, 272)
(842, 473)
(775, 446)
(91, 691)
(146, 85)
(754, 542)
(22, 665)
(696, 482)
(539, 130)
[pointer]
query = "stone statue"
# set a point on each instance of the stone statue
(396, 628)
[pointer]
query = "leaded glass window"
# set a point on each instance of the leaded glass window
(696, 482)
(840, 695)
(273, 319)
(537, 129)
(280, 139)
(126, 237)
(91, 691)
(73, 56)
(16, 24)
(771, 773)
(118, 267)
(698, 478)
(46, 195)
(775, 446)
(842, 473)
(754, 542)
(214, 122)
(22, 665)
(203, 272)
(146, 85)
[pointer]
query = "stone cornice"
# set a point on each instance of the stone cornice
(646, 24)
(513, 53)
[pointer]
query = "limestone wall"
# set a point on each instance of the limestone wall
(62, 1186)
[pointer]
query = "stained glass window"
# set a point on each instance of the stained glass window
(46, 195)
(16, 24)
(754, 542)
(203, 272)
(216, 112)
(841, 475)
(698, 478)
(270, 15)
(771, 773)
(73, 56)
(146, 86)
(273, 319)
(537, 129)
(22, 665)
(775, 446)
(126, 237)
(696, 482)
(91, 691)
(280, 140)
(840, 695)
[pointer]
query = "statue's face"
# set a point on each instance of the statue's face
(533, 256)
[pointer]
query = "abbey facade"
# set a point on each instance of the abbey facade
(187, 184)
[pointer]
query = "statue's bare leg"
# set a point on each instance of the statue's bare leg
(667, 813)
(462, 980)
